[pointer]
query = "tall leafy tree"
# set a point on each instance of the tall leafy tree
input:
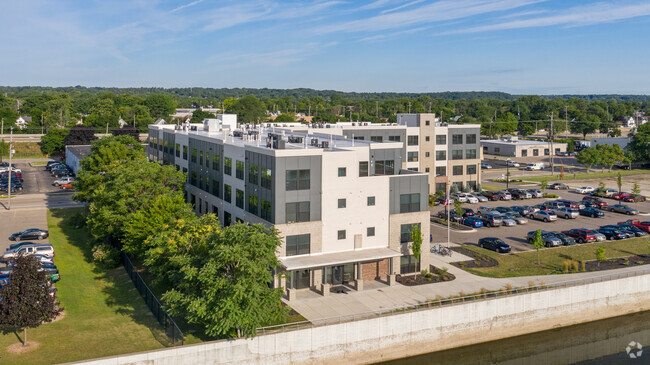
(220, 277)
(249, 109)
(107, 150)
(26, 300)
(639, 146)
(589, 157)
(538, 243)
(54, 141)
(160, 106)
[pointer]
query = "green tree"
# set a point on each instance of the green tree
(160, 106)
(589, 157)
(198, 115)
(538, 243)
(636, 190)
(4, 149)
(544, 185)
(458, 207)
(219, 277)
(619, 181)
(589, 124)
(54, 141)
(26, 300)
(111, 149)
(284, 118)
(249, 109)
(416, 240)
(609, 155)
(639, 146)
(600, 254)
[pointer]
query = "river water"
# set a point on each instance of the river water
(602, 342)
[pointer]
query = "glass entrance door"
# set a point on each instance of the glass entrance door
(337, 275)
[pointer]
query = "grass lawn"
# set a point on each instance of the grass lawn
(593, 175)
(28, 150)
(492, 187)
(104, 314)
(39, 163)
(525, 263)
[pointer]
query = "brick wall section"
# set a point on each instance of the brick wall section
(374, 270)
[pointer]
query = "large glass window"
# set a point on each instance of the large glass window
(471, 169)
(458, 170)
(207, 159)
(441, 187)
(266, 210)
(441, 155)
(363, 168)
(470, 139)
(394, 138)
(409, 264)
(216, 162)
(376, 139)
(297, 180)
(227, 166)
(239, 198)
(441, 139)
(227, 193)
(409, 203)
(227, 219)
(178, 150)
(470, 154)
(193, 156)
(412, 140)
(456, 139)
(457, 154)
(441, 171)
(193, 178)
(252, 204)
(253, 174)
(405, 231)
(385, 167)
(200, 158)
(370, 231)
(216, 188)
(297, 212)
(184, 152)
(266, 178)
(240, 170)
(412, 157)
(298, 245)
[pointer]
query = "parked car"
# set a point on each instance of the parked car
(591, 212)
(559, 186)
(634, 198)
(530, 208)
(467, 212)
(535, 193)
(467, 197)
(566, 240)
(455, 217)
(632, 229)
(30, 234)
(594, 199)
(599, 236)
(549, 239)
(66, 187)
(554, 204)
(520, 209)
(64, 180)
(645, 226)
(491, 195)
(585, 190)
(518, 194)
(481, 198)
(36, 249)
(566, 213)
(516, 217)
(490, 220)
(14, 246)
(40, 258)
(622, 208)
(543, 216)
(620, 196)
(473, 222)
(626, 234)
(485, 165)
(508, 222)
(503, 209)
(535, 166)
(581, 235)
(494, 244)
(511, 163)
(483, 209)
(612, 234)
(52, 164)
(571, 204)
(604, 193)
(504, 195)
(543, 207)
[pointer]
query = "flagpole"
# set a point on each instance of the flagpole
(448, 213)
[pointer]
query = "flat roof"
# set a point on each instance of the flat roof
(79, 151)
(337, 258)
(521, 142)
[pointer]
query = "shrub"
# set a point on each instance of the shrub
(640, 262)
(565, 266)
(626, 262)
(576, 266)
(509, 286)
(584, 266)
(106, 256)
(546, 195)
(443, 271)
(77, 221)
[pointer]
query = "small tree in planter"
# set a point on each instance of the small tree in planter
(619, 181)
(538, 243)
(467, 189)
(600, 254)
(454, 189)
(479, 188)
(458, 207)
(636, 190)
(544, 185)
(601, 187)
(416, 241)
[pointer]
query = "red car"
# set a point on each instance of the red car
(580, 235)
(66, 187)
(596, 200)
(619, 196)
(635, 222)
(634, 198)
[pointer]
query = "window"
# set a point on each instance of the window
(456, 139)
(298, 245)
(426, 169)
(252, 204)
(472, 185)
(427, 122)
(227, 193)
(185, 170)
(266, 210)
(297, 212)
(376, 139)
(178, 150)
(370, 231)
(497, 150)
(470, 139)
(341, 234)
(524, 153)
(458, 170)
(441, 171)
(342, 171)
(193, 178)
(409, 203)
(193, 156)
(371, 201)
(184, 152)
(193, 200)
(441, 187)
(441, 139)
(441, 155)
(557, 150)
(227, 166)
(297, 180)
(216, 162)
(216, 188)
(394, 138)
(412, 157)
(457, 155)
(207, 159)
(409, 264)
(359, 138)
(546, 152)
(412, 140)
(413, 169)
(239, 198)
(252, 174)
(215, 210)
(227, 219)
(535, 152)
(471, 169)
(470, 154)
(384, 167)
(458, 185)
(427, 138)
(405, 231)
(363, 168)
(200, 158)
(207, 184)
(239, 173)
(342, 203)
(266, 178)
(427, 154)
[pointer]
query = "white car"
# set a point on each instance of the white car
(63, 181)
(512, 164)
(585, 190)
(467, 198)
(7, 168)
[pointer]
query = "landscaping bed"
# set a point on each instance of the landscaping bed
(618, 263)
(478, 259)
(435, 276)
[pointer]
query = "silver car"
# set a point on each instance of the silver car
(508, 222)
(543, 215)
(481, 198)
(516, 217)
(599, 236)
(536, 193)
(622, 208)
(566, 213)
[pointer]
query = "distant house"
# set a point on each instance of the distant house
(121, 122)
(22, 121)
(628, 122)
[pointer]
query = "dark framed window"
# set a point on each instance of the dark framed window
(227, 193)
(227, 219)
(297, 180)
(409, 264)
(252, 204)
(376, 139)
(471, 169)
(524, 153)
(546, 152)
(457, 170)
(441, 155)
(266, 210)
(427, 122)
(253, 174)
(456, 139)
(193, 155)
(412, 140)
(240, 170)
(216, 162)
(385, 167)
(298, 245)
(371, 200)
(426, 169)
(342, 171)
(341, 234)
(178, 150)
(297, 212)
(363, 168)
(227, 166)
(395, 138)
(266, 178)
(441, 139)
(470, 154)
(216, 188)
(441, 187)
(409, 203)
(457, 154)
(405, 231)
(193, 178)
(470, 139)
(427, 138)
(342, 203)
(200, 158)
(370, 231)
(184, 152)
(239, 198)
(412, 157)
(535, 152)
(427, 154)
(497, 150)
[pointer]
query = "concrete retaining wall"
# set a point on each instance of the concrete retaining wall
(413, 333)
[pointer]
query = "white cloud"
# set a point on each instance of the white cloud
(187, 6)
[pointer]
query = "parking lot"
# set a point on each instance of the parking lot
(36, 179)
(18, 220)
(516, 236)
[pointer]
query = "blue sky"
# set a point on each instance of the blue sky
(516, 46)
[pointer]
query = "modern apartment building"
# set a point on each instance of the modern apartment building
(344, 207)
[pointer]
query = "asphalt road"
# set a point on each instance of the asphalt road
(17, 220)
(516, 236)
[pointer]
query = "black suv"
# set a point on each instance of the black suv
(491, 195)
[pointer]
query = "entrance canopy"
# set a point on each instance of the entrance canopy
(337, 258)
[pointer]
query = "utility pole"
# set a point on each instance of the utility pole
(11, 150)
(566, 121)
(409, 107)
(377, 108)
(551, 151)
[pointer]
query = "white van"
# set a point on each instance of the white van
(535, 166)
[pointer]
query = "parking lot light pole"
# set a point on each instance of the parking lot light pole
(11, 150)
